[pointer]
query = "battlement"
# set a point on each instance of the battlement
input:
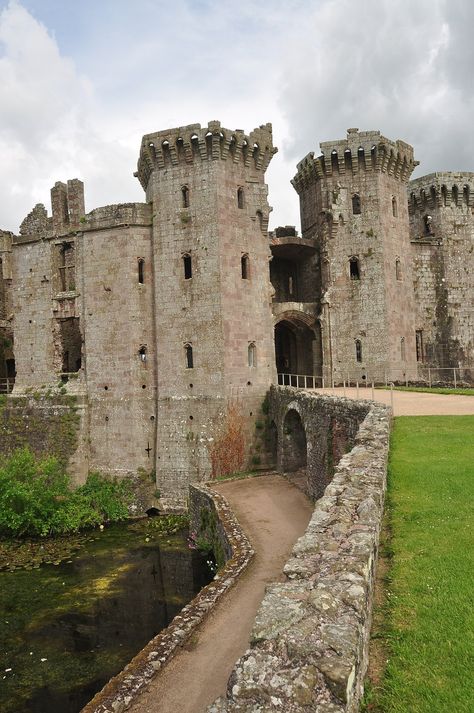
(437, 190)
(360, 151)
(186, 144)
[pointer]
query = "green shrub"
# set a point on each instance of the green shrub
(36, 498)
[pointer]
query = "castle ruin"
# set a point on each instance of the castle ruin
(158, 315)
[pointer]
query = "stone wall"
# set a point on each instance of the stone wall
(309, 644)
(442, 251)
(330, 426)
(49, 426)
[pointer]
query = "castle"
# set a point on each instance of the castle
(157, 315)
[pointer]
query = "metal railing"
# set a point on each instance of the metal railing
(422, 376)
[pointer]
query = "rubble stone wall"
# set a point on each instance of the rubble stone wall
(309, 644)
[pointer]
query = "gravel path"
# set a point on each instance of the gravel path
(273, 514)
(411, 403)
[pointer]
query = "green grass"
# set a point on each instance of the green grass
(434, 390)
(429, 624)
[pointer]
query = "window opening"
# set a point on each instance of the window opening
(394, 207)
(402, 349)
(142, 354)
(67, 267)
(188, 350)
(354, 268)
(259, 215)
(358, 347)
(252, 354)
(398, 269)
(141, 270)
(187, 266)
(290, 285)
(244, 263)
(427, 221)
(356, 204)
(185, 196)
(240, 197)
(419, 345)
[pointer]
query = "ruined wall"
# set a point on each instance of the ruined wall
(442, 250)
(210, 211)
(353, 203)
(309, 643)
(6, 311)
(48, 425)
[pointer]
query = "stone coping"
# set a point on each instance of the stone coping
(118, 694)
(309, 643)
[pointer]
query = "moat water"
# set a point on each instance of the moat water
(65, 629)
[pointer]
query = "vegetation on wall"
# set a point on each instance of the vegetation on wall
(36, 498)
(227, 450)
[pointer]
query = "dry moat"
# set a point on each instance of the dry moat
(67, 627)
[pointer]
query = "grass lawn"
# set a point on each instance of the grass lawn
(427, 390)
(428, 621)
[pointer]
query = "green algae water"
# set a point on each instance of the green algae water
(67, 627)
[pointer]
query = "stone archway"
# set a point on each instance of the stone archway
(294, 347)
(294, 453)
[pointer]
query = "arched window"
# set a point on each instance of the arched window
(245, 267)
(398, 269)
(466, 194)
(402, 349)
(185, 196)
(141, 270)
(252, 354)
(444, 195)
(240, 197)
(394, 207)
(259, 215)
(356, 204)
(142, 354)
(455, 195)
(187, 266)
(358, 348)
(354, 270)
(188, 352)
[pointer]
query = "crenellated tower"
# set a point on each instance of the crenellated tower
(353, 204)
(441, 207)
(212, 311)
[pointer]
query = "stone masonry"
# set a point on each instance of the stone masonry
(162, 317)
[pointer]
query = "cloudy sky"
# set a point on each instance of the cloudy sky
(80, 82)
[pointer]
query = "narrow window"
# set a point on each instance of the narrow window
(394, 207)
(358, 346)
(240, 197)
(141, 270)
(67, 267)
(187, 266)
(142, 354)
(402, 349)
(244, 265)
(188, 350)
(185, 196)
(398, 269)
(419, 345)
(354, 268)
(259, 215)
(428, 224)
(290, 285)
(356, 204)
(455, 195)
(252, 354)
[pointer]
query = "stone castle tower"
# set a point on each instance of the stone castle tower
(441, 207)
(212, 301)
(353, 205)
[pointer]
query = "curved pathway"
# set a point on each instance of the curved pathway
(273, 514)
